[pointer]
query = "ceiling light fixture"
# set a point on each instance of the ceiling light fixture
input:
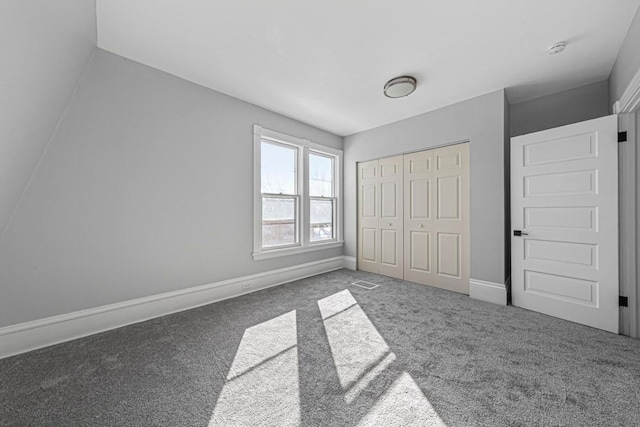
(400, 86)
(557, 48)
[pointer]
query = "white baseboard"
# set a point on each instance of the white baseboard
(23, 337)
(488, 291)
(349, 262)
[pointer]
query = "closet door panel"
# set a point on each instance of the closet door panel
(418, 218)
(451, 249)
(391, 216)
(419, 252)
(368, 214)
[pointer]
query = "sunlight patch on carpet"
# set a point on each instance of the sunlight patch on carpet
(403, 404)
(359, 352)
(262, 385)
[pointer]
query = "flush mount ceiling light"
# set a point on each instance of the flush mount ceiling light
(400, 86)
(557, 48)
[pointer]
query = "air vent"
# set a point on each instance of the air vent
(365, 285)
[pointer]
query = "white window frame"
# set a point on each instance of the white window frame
(332, 198)
(304, 228)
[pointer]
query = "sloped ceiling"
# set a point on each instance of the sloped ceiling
(45, 46)
(325, 63)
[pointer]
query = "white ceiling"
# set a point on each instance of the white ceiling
(325, 62)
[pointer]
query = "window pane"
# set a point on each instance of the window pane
(278, 221)
(320, 176)
(321, 213)
(278, 168)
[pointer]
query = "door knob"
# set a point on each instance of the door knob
(390, 224)
(421, 225)
(519, 233)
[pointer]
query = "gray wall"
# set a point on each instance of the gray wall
(559, 109)
(146, 188)
(45, 45)
(627, 63)
(479, 120)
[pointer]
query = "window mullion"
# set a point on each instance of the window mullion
(304, 193)
(257, 189)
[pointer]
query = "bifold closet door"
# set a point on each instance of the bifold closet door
(451, 217)
(368, 217)
(391, 222)
(418, 217)
(413, 217)
(380, 218)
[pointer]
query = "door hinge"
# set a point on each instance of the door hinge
(622, 136)
(623, 301)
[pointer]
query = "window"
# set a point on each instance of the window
(322, 202)
(296, 200)
(280, 198)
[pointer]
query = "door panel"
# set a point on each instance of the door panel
(562, 252)
(388, 242)
(449, 197)
(419, 199)
(451, 247)
(448, 159)
(449, 254)
(560, 184)
(419, 250)
(368, 200)
(369, 244)
(368, 211)
(564, 197)
(391, 221)
(418, 221)
(561, 149)
(570, 289)
(561, 218)
(389, 197)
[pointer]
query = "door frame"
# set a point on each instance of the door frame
(628, 110)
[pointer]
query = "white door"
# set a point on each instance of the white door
(564, 201)
(451, 217)
(418, 217)
(391, 217)
(368, 217)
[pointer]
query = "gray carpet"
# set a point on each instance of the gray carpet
(320, 352)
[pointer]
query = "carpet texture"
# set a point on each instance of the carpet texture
(320, 352)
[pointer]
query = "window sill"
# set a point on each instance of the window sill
(275, 253)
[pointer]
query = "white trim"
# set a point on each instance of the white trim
(630, 99)
(275, 253)
(629, 102)
(349, 262)
(495, 293)
(628, 222)
(323, 149)
(23, 337)
(257, 189)
(283, 137)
